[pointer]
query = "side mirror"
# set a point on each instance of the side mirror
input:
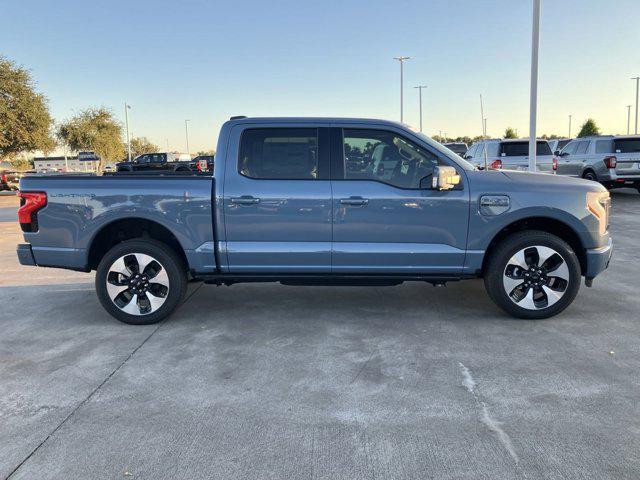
(443, 178)
(557, 153)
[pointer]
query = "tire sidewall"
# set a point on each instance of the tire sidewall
(509, 247)
(167, 258)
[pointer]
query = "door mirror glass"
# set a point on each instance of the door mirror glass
(557, 153)
(443, 178)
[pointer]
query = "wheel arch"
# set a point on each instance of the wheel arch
(130, 228)
(545, 224)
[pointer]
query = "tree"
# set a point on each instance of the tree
(510, 133)
(21, 163)
(211, 152)
(140, 146)
(96, 130)
(25, 123)
(589, 128)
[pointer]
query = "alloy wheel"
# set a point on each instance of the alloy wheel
(536, 277)
(137, 284)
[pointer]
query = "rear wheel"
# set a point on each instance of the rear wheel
(590, 175)
(140, 282)
(532, 275)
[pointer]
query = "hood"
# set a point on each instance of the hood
(549, 180)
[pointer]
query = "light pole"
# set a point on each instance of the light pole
(628, 118)
(420, 87)
(533, 101)
(401, 60)
(484, 134)
(186, 132)
(637, 79)
(569, 126)
(126, 120)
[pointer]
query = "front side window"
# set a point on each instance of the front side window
(279, 153)
(570, 149)
(386, 157)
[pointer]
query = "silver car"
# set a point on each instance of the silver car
(611, 160)
(511, 154)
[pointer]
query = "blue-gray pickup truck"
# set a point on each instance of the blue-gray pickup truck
(320, 201)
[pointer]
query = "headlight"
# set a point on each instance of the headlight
(598, 204)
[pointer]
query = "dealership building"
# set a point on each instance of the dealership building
(83, 162)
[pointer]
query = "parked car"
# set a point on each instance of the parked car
(202, 163)
(9, 179)
(558, 144)
(281, 206)
(511, 154)
(611, 160)
(457, 147)
(158, 162)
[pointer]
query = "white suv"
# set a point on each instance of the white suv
(511, 154)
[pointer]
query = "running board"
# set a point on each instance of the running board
(326, 279)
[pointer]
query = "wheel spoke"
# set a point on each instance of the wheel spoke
(511, 283)
(160, 278)
(544, 253)
(519, 260)
(527, 301)
(143, 260)
(115, 290)
(132, 308)
(120, 267)
(154, 302)
(552, 295)
(561, 271)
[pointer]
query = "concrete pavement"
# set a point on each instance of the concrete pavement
(275, 382)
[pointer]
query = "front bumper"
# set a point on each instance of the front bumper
(25, 255)
(598, 259)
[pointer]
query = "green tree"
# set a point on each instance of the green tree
(510, 133)
(93, 129)
(589, 128)
(21, 163)
(208, 152)
(140, 146)
(25, 123)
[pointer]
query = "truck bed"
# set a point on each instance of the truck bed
(79, 208)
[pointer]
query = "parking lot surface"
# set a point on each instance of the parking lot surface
(275, 382)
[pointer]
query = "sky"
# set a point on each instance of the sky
(206, 61)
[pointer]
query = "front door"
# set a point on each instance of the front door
(383, 221)
(277, 200)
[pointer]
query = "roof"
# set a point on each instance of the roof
(315, 120)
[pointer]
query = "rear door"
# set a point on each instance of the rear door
(383, 222)
(277, 200)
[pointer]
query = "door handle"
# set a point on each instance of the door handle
(245, 200)
(354, 201)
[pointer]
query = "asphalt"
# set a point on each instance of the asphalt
(275, 382)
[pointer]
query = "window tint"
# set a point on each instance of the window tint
(627, 145)
(279, 153)
(582, 147)
(562, 144)
(570, 148)
(603, 146)
(472, 151)
(521, 149)
(493, 149)
(386, 157)
(480, 150)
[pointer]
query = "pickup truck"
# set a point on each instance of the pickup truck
(281, 206)
(154, 162)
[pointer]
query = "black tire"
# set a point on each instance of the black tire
(590, 175)
(175, 270)
(498, 263)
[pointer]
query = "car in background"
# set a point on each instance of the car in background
(202, 163)
(612, 160)
(457, 147)
(511, 154)
(558, 144)
(9, 179)
(150, 162)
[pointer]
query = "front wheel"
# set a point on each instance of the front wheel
(140, 282)
(533, 275)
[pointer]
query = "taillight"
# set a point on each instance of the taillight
(30, 203)
(202, 165)
(496, 164)
(555, 164)
(3, 178)
(610, 162)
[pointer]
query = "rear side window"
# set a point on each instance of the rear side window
(627, 145)
(279, 153)
(603, 146)
(521, 149)
(493, 149)
(582, 147)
